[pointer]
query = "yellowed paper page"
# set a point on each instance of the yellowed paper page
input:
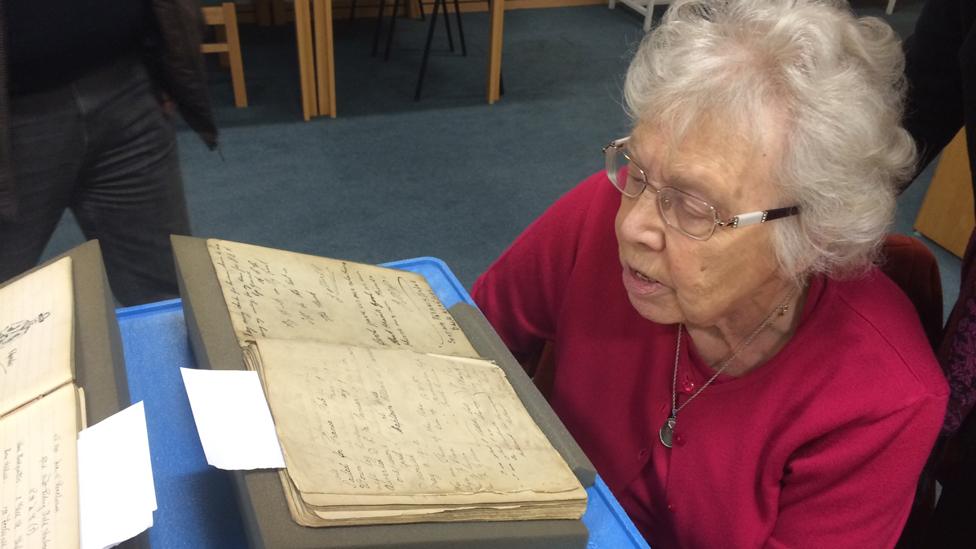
(38, 473)
(370, 426)
(36, 317)
(284, 295)
(308, 516)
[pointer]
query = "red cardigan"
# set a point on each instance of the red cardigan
(819, 447)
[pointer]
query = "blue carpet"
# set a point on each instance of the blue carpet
(448, 176)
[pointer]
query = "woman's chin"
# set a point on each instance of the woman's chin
(655, 312)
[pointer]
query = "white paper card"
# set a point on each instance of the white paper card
(115, 482)
(233, 420)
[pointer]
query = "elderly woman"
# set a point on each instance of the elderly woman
(725, 351)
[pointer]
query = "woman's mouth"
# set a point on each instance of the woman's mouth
(639, 283)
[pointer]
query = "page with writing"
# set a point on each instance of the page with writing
(36, 318)
(361, 426)
(277, 294)
(38, 473)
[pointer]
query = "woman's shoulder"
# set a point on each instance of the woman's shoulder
(877, 305)
(870, 326)
(858, 357)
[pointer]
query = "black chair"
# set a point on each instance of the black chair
(447, 25)
(430, 36)
(952, 524)
(438, 6)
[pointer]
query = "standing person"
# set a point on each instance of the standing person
(725, 350)
(83, 127)
(941, 71)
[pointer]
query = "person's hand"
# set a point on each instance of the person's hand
(166, 103)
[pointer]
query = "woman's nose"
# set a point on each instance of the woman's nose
(641, 222)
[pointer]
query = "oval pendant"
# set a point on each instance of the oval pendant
(667, 432)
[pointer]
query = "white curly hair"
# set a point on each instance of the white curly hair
(835, 79)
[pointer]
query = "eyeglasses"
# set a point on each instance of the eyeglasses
(690, 215)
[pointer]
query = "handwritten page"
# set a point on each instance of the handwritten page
(394, 427)
(36, 334)
(38, 473)
(232, 419)
(115, 481)
(284, 295)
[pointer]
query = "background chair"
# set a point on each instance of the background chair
(389, 35)
(439, 5)
(228, 45)
(912, 266)
(430, 36)
(645, 8)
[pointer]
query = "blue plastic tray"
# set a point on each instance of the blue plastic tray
(197, 506)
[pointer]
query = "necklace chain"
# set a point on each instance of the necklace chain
(780, 309)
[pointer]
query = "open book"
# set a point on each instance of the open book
(383, 409)
(41, 411)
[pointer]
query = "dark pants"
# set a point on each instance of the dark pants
(102, 147)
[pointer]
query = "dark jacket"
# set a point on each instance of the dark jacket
(941, 70)
(173, 58)
(940, 63)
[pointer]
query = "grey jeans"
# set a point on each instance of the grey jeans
(102, 147)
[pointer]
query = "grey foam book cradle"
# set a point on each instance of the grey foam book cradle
(98, 359)
(259, 493)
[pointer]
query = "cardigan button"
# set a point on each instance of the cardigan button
(687, 386)
(670, 507)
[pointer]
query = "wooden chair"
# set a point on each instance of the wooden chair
(946, 215)
(224, 17)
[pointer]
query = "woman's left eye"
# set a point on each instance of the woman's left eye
(696, 208)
